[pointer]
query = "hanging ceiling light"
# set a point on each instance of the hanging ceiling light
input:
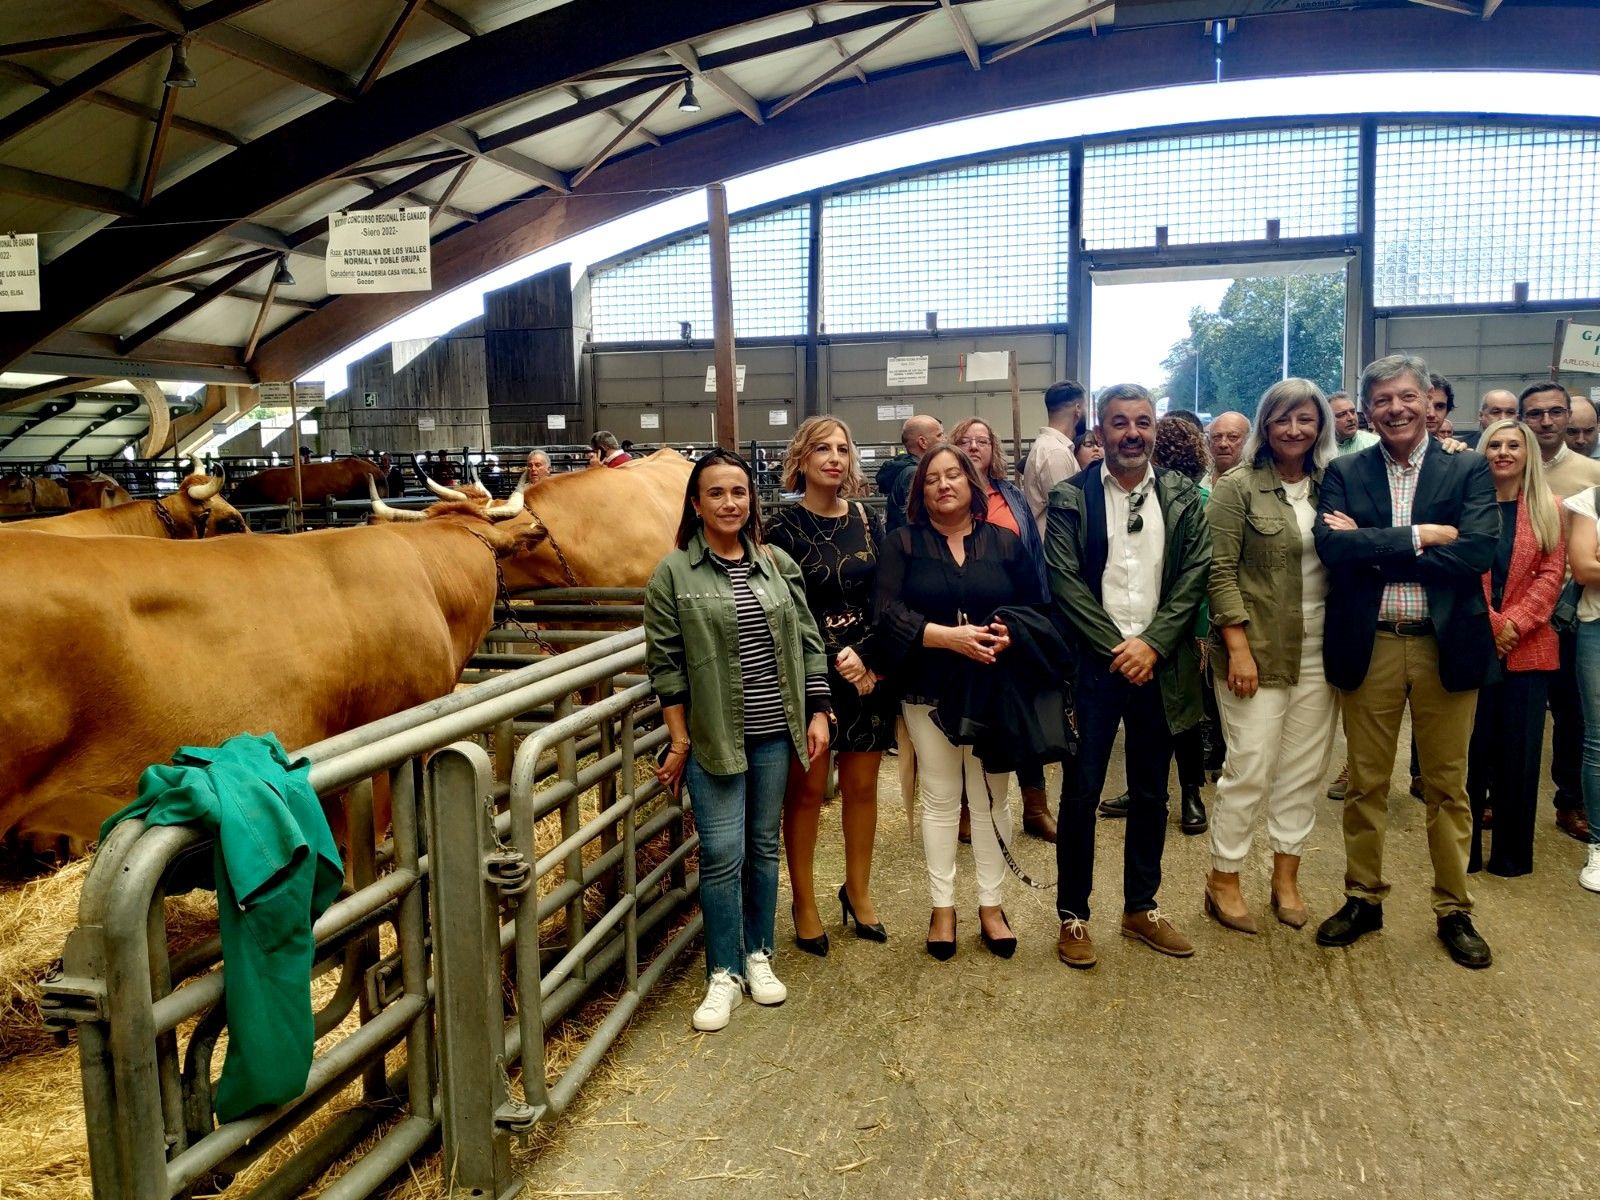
(688, 103)
(178, 74)
(281, 276)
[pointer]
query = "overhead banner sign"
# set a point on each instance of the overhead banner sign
(19, 272)
(738, 377)
(985, 364)
(1580, 349)
(379, 250)
(908, 371)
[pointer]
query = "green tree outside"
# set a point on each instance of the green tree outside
(1238, 350)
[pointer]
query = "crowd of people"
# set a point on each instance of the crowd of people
(1224, 595)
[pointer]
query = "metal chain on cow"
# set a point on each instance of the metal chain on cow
(166, 520)
(503, 598)
(572, 580)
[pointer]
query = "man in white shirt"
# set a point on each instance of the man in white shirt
(1127, 553)
(1052, 459)
(1348, 437)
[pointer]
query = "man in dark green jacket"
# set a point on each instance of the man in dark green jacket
(917, 435)
(1128, 554)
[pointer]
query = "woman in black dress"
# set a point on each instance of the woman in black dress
(835, 539)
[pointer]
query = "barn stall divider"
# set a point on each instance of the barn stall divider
(475, 906)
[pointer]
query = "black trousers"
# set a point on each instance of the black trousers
(1566, 728)
(1105, 700)
(1503, 769)
(1189, 749)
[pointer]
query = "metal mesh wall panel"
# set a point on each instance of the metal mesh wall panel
(1221, 187)
(645, 298)
(981, 246)
(1466, 213)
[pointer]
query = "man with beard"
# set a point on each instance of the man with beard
(1225, 439)
(1127, 551)
(1407, 531)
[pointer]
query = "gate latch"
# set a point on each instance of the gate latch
(508, 869)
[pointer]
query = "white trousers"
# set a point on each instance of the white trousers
(1279, 741)
(941, 770)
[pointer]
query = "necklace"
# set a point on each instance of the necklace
(1299, 490)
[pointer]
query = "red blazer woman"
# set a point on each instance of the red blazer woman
(1533, 582)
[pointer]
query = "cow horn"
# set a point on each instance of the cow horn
(476, 478)
(201, 492)
(386, 513)
(512, 505)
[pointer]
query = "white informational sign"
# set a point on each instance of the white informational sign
(886, 412)
(425, 424)
(19, 272)
(1580, 349)
(309, 394)
(556, 421)
(649, 420)
(908, 371)
(379, 250)
(738, 377)
(902, 412)
(777, 416)
(308, 425)
(987, 364)
(273, 393)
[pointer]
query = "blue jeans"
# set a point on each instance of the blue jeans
(1589, 693)
(738, 818)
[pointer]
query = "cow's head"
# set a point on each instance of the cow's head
(504, 526)
(197, 508)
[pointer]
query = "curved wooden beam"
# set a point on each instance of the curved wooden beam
(160, 431)
(1300, 44)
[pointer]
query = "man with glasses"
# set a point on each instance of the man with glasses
(1127, 551)
(1547, 409)
(1407, 531)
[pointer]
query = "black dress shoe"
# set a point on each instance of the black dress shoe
(1000, 947)
(1463, 942)
(816, 945)
(1192, 812)
(1115, 807)
(1356, 918)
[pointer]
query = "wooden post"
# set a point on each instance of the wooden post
(294, 446)
(1555, 350)
(1016, 419)
(722, 318)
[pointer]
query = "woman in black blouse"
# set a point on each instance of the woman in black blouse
(940, 582)
(835, 541)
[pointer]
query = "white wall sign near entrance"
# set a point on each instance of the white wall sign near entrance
(19, 272)
(649, 420)
(886, 412)
(902, 412)
(910, 370)
(425, 425)
(985, 364)
(556, 422)
(379, 250)
(777, 416)
(738, 377)
(1580, 349)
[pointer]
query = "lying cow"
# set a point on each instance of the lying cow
(31, 494)
(120, 650)
(344, 479)
(195, 510)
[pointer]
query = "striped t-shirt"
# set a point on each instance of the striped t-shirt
(764, 715)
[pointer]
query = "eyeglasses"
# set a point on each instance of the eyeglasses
(1539, 414)
(972, 443)
(1135, 517)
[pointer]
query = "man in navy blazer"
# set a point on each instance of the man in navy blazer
(1407, 531)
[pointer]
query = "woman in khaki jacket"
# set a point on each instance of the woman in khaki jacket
(1267, 594)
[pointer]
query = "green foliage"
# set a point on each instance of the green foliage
(1238, 349)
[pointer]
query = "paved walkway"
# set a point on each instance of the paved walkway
(1263, 1067)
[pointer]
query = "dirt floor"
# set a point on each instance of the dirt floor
(1262, 1067)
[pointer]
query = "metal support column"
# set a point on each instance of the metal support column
(812, 403)
(1365, 330)
(1079, 296)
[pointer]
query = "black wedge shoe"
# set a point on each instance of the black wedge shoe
(943, 951)
(1003, 947)
(847, 913)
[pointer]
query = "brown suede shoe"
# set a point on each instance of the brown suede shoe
(1036, 818)
(1156, 931)
(1074, 946)
(1573, 823)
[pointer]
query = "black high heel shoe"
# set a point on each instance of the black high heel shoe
(847, 913)
(943, 951)
(1002, 947)
(816, 945)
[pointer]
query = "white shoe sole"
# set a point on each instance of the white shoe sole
(1592, 885)
(768, 1002)
(713, 1022)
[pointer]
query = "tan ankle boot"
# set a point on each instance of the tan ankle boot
(1036, 818)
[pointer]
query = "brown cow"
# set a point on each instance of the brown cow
(31, 494)
(120, 650)
(344, 479)
(195, 510)
(95, 491)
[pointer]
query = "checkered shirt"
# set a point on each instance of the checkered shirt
(1404, 601)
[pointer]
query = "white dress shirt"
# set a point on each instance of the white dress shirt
(1130, 589)
(1049, 462)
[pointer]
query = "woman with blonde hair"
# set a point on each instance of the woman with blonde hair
(835, 540)
(1521, 588)
(1267, 593)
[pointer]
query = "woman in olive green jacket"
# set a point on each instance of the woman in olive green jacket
(737, 661)
(1267, 596)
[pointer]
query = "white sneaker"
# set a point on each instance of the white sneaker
(723, 994)
(764, 987)
(1589, 877)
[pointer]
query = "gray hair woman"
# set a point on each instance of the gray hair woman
(1276, 705)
